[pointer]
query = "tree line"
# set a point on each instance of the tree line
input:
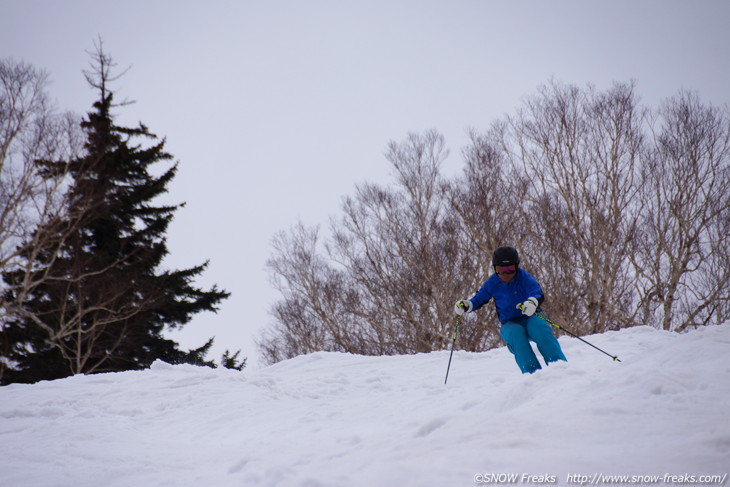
(622, 212)
(82, 243)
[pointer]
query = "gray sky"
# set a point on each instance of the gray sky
(276, 109)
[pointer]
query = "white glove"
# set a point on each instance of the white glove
(462, 307)
(528, 307)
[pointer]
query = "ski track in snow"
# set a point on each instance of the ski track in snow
(333, 419)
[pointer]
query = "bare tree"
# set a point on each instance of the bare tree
(682, 260)
(581, 151)
(391, 272)
(30, 130)
(485, 198)
(394, 244)
(307, 316)
(623, 220)
(484, 201)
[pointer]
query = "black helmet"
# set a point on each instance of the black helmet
(505, 256)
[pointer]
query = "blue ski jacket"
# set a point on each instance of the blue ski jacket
(507, 295)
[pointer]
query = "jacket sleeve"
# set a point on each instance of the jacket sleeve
(481, 297)
(533, 289)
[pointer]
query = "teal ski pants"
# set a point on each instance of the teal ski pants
(518, 334)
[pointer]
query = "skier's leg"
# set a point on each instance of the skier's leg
(515, 335)
(540, 332)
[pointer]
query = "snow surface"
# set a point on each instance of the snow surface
(333, 419)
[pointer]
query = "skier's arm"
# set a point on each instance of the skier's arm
(534, 290)
(534, 296)
(481, 297)
(464, 306)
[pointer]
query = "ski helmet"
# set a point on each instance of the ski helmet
(505, 256)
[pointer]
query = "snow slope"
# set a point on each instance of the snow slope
(330, 419)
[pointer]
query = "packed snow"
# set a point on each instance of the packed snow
(658, 417)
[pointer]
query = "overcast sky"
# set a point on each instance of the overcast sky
(276, 109)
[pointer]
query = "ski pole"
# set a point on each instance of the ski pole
(551, 322)
(453, 342)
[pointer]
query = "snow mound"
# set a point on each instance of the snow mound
(333, 419)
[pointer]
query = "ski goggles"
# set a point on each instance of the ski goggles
(506, 270)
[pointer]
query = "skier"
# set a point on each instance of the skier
(517, 296)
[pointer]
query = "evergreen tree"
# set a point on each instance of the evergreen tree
(231, 361)
(93, 297)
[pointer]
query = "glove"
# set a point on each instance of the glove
(462, 307)
(528, 307)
